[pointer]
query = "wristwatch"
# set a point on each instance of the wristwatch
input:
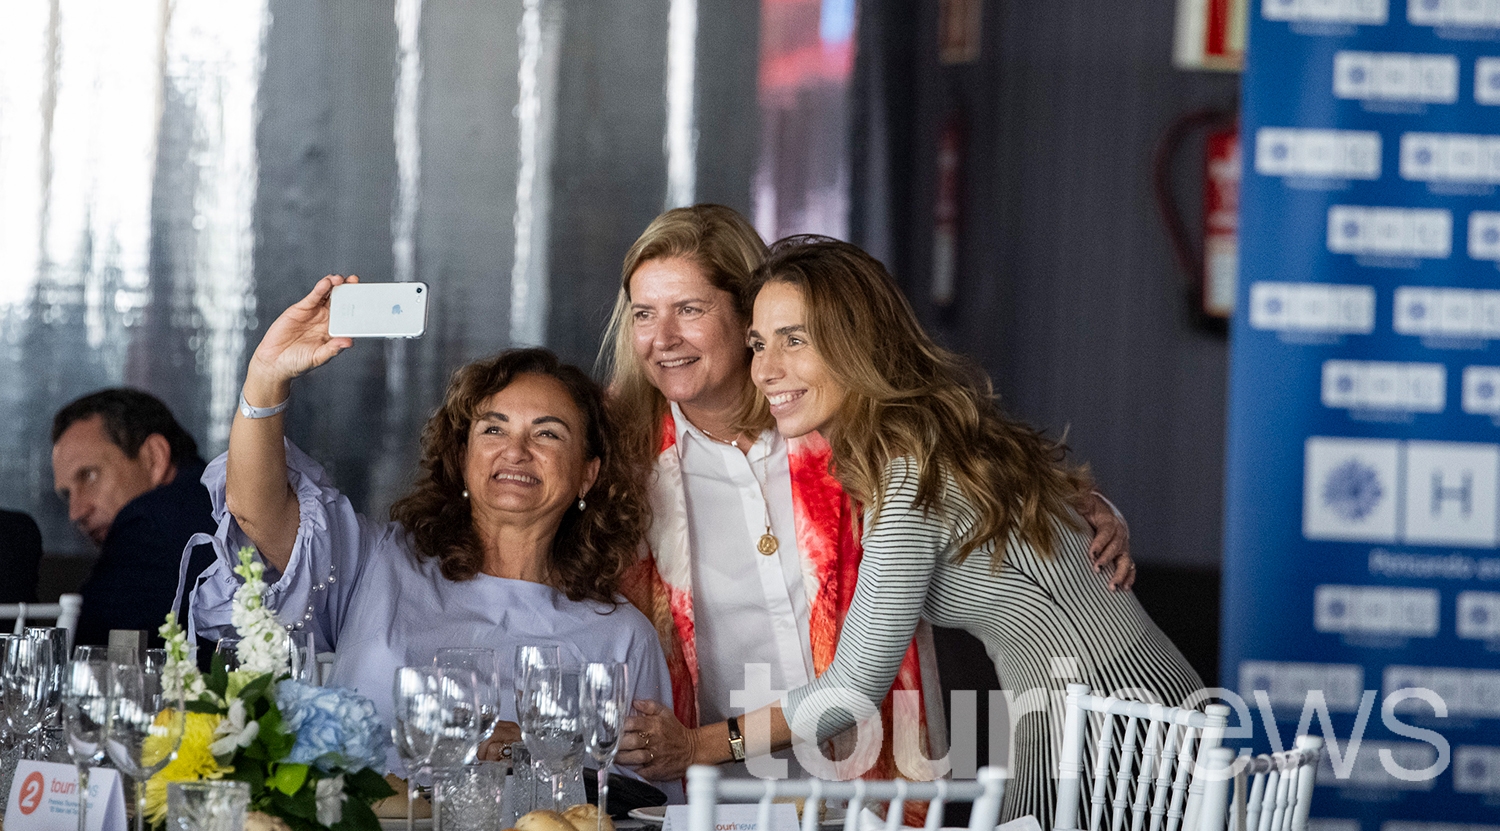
(736, 741)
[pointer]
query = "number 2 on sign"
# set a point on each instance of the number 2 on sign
(31, 793)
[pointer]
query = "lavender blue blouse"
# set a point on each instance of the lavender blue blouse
(357, 585)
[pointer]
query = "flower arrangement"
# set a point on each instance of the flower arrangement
(311, 755)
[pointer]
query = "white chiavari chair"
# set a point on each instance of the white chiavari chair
(707, 790)
(64, 614)
(1273, 791)
(1141, 767)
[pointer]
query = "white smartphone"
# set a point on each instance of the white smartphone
(378, 310)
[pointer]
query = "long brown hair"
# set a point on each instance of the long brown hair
(726, 247)
(592, 548)
(907, 396)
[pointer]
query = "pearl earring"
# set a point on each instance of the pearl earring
(466, 493)
(582, 504)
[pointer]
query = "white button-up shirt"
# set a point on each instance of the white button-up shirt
(747, 607)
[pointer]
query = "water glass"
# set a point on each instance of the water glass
(85, 711)
(485, 666)
(143, 729)
(207, 805)
(473, 798)
(532, 656)
(550, 725)
(603, 701)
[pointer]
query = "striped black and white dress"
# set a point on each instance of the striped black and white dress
(1045, 622)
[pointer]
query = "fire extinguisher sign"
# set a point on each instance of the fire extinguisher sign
(1362, 522)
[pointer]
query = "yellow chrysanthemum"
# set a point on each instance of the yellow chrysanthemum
(193, 762)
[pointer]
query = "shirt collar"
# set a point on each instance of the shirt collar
(765, 443)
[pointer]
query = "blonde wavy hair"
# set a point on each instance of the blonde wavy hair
(907, 396)
(728, 249)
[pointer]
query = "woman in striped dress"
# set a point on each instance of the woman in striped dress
(967, 519)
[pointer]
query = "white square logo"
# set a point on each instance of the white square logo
(1487, 81)
(1349, 489)
(1479, 615)
(1450, 493)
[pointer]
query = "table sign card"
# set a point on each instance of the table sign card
(44, 797)
(741, 817)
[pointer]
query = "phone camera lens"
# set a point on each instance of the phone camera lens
(419, 291)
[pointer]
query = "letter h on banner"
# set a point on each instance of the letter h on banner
(1412, 492)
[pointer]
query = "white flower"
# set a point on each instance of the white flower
(330, 796)
(262, 648)
(235, 730)
(180, 677)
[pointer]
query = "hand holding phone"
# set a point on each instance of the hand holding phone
(378, 310)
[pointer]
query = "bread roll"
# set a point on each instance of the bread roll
(585, 817)
(544, 821)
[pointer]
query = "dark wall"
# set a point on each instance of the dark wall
(1067, 292)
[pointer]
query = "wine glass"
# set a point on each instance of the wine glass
(85, 710)
(412, 702)
(529, 656)
(549, 724)
(438, 714)
(29, 684)
(486, 668)
(603, 698)
(143, 729)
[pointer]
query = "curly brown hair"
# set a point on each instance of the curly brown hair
(592, 548)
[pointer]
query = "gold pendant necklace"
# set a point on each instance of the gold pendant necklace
(767, 544)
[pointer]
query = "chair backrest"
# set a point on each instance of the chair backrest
(1142, 766)
(64, 614)
(706, 788)
(1273, 791)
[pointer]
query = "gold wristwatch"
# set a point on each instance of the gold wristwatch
(736, 741)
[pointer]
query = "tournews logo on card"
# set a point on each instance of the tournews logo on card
(44, 797)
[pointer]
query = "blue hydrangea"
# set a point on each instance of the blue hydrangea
(336, 729)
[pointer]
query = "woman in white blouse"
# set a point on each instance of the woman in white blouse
(752, 542)
(969, 518)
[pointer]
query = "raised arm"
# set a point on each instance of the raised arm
(256, 490)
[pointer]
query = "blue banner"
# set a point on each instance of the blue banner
(1362, 534)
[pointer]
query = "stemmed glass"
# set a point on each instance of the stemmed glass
(412, 702)
(85, 710)
(603, 697)
(549, 724)
(29, 684)
(143, 730)
(486, 668)
(437, 716)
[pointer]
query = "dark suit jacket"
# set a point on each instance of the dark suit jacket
(20, 551)
(135, 579)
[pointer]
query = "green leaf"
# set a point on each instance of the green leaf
(303, 803)
(357, 817)
(255, 689)
(199, 705)
(218, 676)
(366, 784)
(289, 777)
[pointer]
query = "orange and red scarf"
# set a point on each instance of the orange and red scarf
(828, 539)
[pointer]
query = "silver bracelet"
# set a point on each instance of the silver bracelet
(261, 412)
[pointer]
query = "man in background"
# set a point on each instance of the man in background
(129, 474)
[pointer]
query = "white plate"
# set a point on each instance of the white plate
(658, 814)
